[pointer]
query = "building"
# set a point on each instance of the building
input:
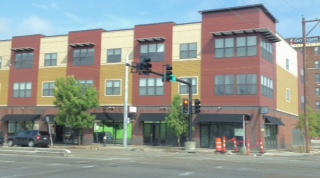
(234, 58)
(312, 69)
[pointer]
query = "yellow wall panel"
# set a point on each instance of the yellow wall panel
(5, 54)
(48, 75)
(4, 86)
(114, 72)
(56, 44)
(186, 69)
(285, 81)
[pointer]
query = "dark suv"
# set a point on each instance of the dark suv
(30, 138)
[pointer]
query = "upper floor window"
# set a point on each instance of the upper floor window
(151, 87)
(85, 84)
(246, 46)
(317, 104)
(317, 78)
(48, 88)
(247, 84)
(50, 59)
(184, 89)
(316, 64)
(288, 94)
(153, 51)
(224, 85)
(266, 87)
(83, 57)
(0, 62)
(188, 50)
(302, 102)
(24, 60)
(316, 51)
(317, 91)
(114, 55)
(302, 75)
(287, 64)
(267, 50)
(22, 90)
(224, 47)
(113, 87)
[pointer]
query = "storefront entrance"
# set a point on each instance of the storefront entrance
(154, 133)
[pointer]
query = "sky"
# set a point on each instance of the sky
(58, 17)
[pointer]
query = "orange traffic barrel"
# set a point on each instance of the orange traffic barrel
(218, 145)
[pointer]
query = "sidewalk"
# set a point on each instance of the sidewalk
(95, 146)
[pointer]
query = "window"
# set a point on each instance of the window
(50, 59)
(48, 88)
(247, 84)
(114, 55)
(302, 75)
(224, 47)
(288, 95)
(86, 84)
(316, 64)
(24, 60)
(317, 104)
(17, 126)
(188, 50)
(22, 90)
(316, 51)
(246, 46)
(153, 51)
(224, 85)
(317, 78)
(83, 57)
(184, 89)
(267, 50)
(287, 64)
(317, 91)
(266, 87)
(0, 62)
(302, 102)
(151, 87)
(113, 87)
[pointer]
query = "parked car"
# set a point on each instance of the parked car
(29, 138)
(1, 138)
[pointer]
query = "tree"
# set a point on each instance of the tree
(176, 120)
(74, 100)
(314, 123)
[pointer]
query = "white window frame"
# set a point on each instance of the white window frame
(120, 86)
(196, 84)
(288, 94)
(43, 89)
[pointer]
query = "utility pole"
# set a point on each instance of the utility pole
(125, 108)
(305, 66)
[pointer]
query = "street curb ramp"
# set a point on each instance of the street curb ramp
(35, 151)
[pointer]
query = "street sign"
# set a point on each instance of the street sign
(173, 78)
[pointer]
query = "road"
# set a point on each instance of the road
(140, 164)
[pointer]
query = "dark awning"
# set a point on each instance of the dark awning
(109, 116)
(77, 45)
(20, 117)
(153, 116)
(220, 118)
(273, 120)
(51, 117)
(267, 33)
(22, 49)
(151, 39)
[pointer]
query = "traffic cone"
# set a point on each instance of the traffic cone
(261, 146)
(236, 150)
(224, 148)
(248, 148)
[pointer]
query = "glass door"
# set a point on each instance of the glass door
(204, 136)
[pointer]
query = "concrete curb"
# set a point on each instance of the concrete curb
(35, 151)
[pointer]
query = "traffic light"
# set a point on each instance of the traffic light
(197, 106)
(185, 106)
(145, 66)
(168, 75)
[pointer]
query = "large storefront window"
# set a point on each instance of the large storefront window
(17, 126)
(271, 135)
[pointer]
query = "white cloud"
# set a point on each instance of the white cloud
(73, 17)
(53, 5)
(35, 25)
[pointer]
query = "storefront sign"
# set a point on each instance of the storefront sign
(310, 41)
(238, 132)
